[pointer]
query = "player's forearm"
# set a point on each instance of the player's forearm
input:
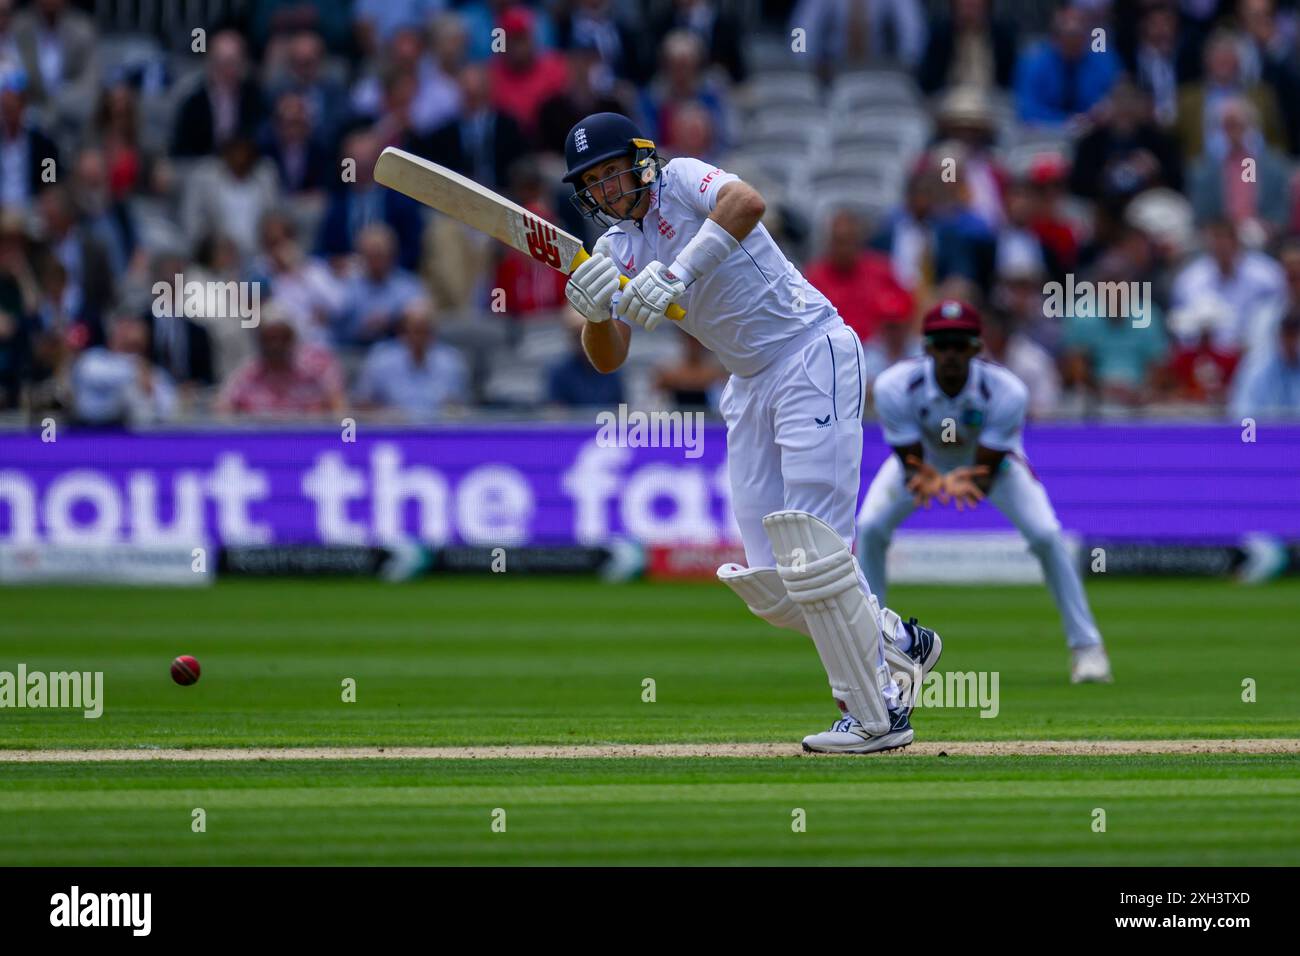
(605, 344)
(740, 208)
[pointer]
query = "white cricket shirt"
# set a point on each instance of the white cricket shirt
(746, 309)
(988, 411)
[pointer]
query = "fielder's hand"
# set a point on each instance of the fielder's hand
(926, 483)
(960, 485)
(647, 297)
(591, 287)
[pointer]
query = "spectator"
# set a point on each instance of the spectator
(694, 380)
(58, 51)
(1200, 370)
(1050, 218)
(719, 31)
(414, 374)
(593, 24)
(28, 158)
(436, 96)
(377, 294)
(228, 104)
(1246, 183)
(934, 235)
(481, 17)
(858, 281)
(179, 344)
(680, 82)
(1060, 80)
(590, 90)
(1116, 357)
(1269, 53)
(118, 385)
(216, 259)
(304, 74)
(88, 286)
(483, 141)
(117, 124)
(1125, 152)
(847, 35)
(307, 294)
(894, 341)
(1006, 345)
(107, 219)
(965, 116)
(230, 194)
(303, 164)
(572, 382)
(1247, 280)
(376, 22)
(1199, 127)
(523, 77)
(968, 47)
(1157, 59)
(1270, 386)
(285, 378)
(1018, 292)
(356, 205)
(692, 134)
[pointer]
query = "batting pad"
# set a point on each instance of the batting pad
(821, 577)
(764, 593)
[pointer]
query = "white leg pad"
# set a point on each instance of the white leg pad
(821, 576)
(764, 593)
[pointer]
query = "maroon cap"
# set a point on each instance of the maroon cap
(951, 315)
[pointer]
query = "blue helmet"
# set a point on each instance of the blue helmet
(601, 137)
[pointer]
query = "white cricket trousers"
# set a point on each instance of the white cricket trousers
(794, 437)
(1018, 495)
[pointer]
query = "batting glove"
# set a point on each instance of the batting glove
(591, 287)
(647, 297)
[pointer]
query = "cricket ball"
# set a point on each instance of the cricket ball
(185, 670)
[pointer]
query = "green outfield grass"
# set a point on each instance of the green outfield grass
(883, 810)
(502, 661)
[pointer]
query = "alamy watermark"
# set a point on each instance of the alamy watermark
(75, 909)
(638, 429)
(78, 690)
(222, 300)
(960, 689)
(1101, 300)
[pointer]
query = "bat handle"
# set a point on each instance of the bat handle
(674, 311)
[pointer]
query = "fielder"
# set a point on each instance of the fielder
(954, 422)
(689, 233)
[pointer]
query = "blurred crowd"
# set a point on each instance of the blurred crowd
(125, 164)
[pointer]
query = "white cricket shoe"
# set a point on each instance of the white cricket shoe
(1090, 665)
(847, 736)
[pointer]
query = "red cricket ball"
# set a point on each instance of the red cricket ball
(185, 670)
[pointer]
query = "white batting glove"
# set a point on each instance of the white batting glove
(647, 297)
(591, 287)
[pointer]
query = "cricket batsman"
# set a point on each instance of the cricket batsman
(688, 233)
(954, 422)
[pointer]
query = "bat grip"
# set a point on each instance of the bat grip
(674, 311)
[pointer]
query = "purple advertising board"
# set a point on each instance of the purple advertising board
(557, 484)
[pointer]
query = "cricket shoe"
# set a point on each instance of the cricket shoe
(909, 668)
(926, 646)
(847, 736)
(1090, 665)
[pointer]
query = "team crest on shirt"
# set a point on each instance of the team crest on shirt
(972, 418)
(665, 228)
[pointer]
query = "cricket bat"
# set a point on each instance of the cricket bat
(466, 201)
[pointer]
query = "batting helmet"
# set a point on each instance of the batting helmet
(601, 137)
